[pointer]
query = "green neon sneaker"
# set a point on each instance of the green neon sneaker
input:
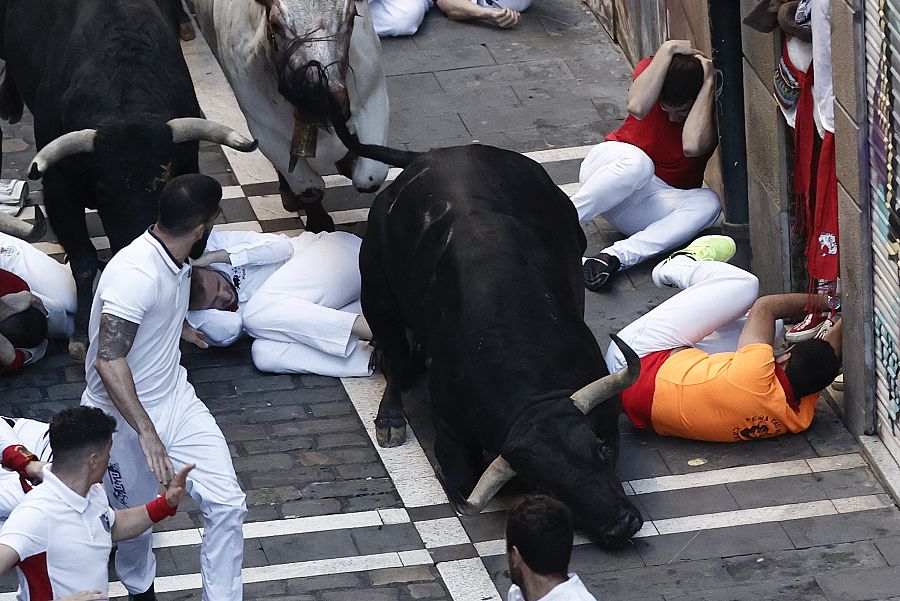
(704, 248)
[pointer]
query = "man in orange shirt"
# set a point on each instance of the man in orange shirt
(646, 178)
(708, 367)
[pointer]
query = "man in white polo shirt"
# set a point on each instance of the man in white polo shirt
(133, 372)
(60, 535)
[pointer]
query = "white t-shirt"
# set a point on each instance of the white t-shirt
(62, 539)
(145, 285)
(570, 590)
(823, 86)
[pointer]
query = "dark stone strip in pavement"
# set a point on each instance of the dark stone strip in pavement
(790, 563)
(806, 487)
(689, 501)
(430, 512)
(517, 73)
(260, 189)
(679, 578)
(842, 528)
(801, 588)
(453, 552)
(711, 544)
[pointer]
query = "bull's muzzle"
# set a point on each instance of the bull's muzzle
(499, 472)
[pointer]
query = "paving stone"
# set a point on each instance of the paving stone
(272, 461)
(551, 115)
(890, 549)
(638, 461)
(778, 491)
(848, 527)
(220, 374)
(679, 578)
(344, 439)
(310, 546)
(537, 70)
(427, 590)
(848, 483)
(296, 396)
(316, 381)
(347, 488)
(337, 456)
(263, 383)
(218, 390)
(261, 513)
(332, 409)
(860, 585)
(278, 445)
(372, 594)
(321, 583)
(187, 558)
(711, 544)
(397, 575)
(274, 478)
(275, 494)
(266, 590)
(319, 426)
(361, 470)
(245, 433)
(677, 452)
(372, 502)
(383, 539)
(690, 501)
(827, 435)
(796, 563)
(455, 101)
(308, 507)
(424, 61)
(485, 526)
(400, 86)
(594, 559)
(414, 126)
(800, 589)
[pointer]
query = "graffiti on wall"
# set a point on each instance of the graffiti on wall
(885, 232)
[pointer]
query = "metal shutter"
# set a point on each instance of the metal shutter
(882, 32)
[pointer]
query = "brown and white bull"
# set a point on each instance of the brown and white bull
(286, 60)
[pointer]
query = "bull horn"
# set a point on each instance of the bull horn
(20, 228)
(66, 145)
(600, 390)
(189, 129)
(498, 473)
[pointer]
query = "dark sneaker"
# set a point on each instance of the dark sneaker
(599, 270)
(148, 595)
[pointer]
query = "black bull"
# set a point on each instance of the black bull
(471, 266)
(115, 117)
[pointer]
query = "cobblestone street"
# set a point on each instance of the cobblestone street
(334, 517)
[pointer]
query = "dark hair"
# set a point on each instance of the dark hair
(198, 288)
(78, 431)
(540, 527)
(25, 329)
(683, 81)
(812, 366)
(188, 201)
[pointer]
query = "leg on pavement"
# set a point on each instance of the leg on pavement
(304, 300)
(297, 358)
(713, 295)
(610, 174)
(191, 435)
(658, 218)
(397, 17)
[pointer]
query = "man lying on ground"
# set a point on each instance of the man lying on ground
(403, 17)
(708, 367)
(298, 297)
(646, 178)
(60, 536)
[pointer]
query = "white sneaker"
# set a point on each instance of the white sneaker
(13, 193)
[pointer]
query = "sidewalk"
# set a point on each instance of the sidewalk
(332, 517)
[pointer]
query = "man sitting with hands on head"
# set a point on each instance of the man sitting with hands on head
(646, 178)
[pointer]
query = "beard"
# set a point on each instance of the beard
(200, 245)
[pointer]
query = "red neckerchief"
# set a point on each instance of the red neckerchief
(792, 401)
(804, 135)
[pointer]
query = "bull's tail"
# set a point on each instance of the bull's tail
(383, 154)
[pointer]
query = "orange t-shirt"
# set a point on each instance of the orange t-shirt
(725, 397)
(660, 139)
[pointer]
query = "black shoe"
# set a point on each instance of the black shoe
(599, 270)
(148, 595)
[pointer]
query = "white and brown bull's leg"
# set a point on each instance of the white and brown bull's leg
(317, 218)
(67, 219)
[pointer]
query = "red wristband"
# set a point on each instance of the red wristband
(16, 457)
(158, 509)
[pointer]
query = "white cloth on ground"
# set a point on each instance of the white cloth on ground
(34, 436)
(49, 279)
(300, 308)
(143, 284)
(708, 313)
(398, 17)
(570, 590)
(618, 182)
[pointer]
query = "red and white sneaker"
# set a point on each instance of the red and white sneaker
(811, 326)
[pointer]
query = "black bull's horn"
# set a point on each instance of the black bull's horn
(184, 129)
(499, 472)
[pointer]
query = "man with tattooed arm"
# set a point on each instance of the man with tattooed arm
(133, 372)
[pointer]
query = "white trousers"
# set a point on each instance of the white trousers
(302, 316)
(617, 182)
(708, 313)
(398, 17)
(191, 435)
(33, 436)
(49, 279)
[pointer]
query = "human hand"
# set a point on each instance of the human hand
(176, 488)
(503, 17)
(89, 595)
(709, 70)
(34, 471)
(673, 47)
(193, 335)
(210, 257)
(157, 457)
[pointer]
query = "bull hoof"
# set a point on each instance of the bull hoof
(390, 432)
(186, 31)
(77, 350)
(317, 218)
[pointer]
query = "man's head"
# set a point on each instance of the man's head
(81, 438)
(25, 329)
(538, 538)
(211, 290)
(811, 366)
(681, 86)
(187, 207)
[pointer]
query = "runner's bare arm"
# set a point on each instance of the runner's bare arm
(115, 338)
(760, 324)
(135, 520)
(699, 135)
(91, 595)
(645, 89)
(8, 558)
